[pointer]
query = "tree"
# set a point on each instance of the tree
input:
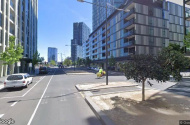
(112, 61)
(175, 61)
(168, 62)
(67, 62)
(79, 61)
(12, 53)
(36, 58)
(142, 67)
(187, 40)
(88, 61)
(53, 63)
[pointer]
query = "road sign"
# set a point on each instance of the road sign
(30, 64)
(18, 63)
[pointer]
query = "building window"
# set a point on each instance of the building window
(150, 11)
(150, 21)
(126, 50)
(103, 48)
(103, 54)
(151, 31)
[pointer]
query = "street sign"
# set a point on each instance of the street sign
(30, 64)
(18, 63)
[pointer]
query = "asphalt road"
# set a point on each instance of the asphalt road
(50, 100)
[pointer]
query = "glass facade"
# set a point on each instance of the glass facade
(99, 13)
(81, 33)
(52, 54)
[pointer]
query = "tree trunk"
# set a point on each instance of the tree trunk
(143, 91)
(12, 66)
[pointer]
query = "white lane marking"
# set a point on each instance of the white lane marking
(1, 115)
(10, 97)
(30, 121)
(33, 86)
(14, 103)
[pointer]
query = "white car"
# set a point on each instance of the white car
(18, 80)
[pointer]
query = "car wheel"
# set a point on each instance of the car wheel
(26, 86)
(32, 81)
(8, 89)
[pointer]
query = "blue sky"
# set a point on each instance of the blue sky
(55, 23)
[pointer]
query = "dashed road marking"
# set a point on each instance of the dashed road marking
(33, 86)
(31, 118)
(14, 104)
(1, 115)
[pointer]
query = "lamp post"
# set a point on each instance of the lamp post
(75, 55)
(106, 30)
(184, 21)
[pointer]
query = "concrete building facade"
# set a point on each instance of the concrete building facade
(19, 18)
(52, 54)
(81, 33)
(148, 27)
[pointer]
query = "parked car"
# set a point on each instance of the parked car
(89, 68)
(18, 80)
(43, 70)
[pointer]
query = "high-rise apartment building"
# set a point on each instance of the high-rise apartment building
(99, 12)
(81, 33)
(146, 28)
(52, 54)
(19, 18)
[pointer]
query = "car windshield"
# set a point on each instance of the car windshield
(15, 77)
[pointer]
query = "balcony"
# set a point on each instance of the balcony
(129, 15)
(129, 43)
(187, 2)
(129, 24)
(130, 33)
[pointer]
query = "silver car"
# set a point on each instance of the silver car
(18, 80)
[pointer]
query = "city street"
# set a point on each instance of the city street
(53, 98)
(50, 99)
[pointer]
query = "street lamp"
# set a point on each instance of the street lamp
(106, 29)
(74, 56)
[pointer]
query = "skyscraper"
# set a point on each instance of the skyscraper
(52, 54)
(19, 18)
(81, 33)
(99, 13)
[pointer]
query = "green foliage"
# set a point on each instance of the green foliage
(79, 61)
(88, 62)
(176, 47)
(112, 61)
(187, 41)
(36, 58)
(170, 61)
(174, 61)
(53, 63)
(12, 53)
(67, 62)
(141, 67)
